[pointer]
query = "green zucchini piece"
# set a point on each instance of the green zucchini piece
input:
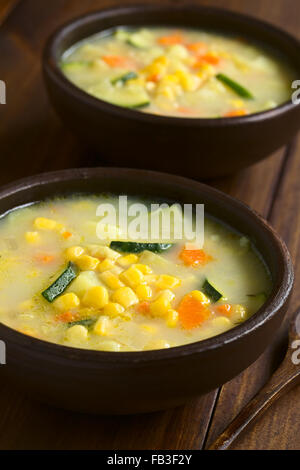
(236, 87)
(127, 97)
(133, 247)
(122, 34)
(61, 283)
(87, 322)
(140, 40)
(212, 293)
(75, 66)
(124, 78)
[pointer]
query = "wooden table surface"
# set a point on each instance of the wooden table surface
(33, 140)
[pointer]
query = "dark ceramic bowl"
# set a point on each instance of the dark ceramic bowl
(200, 148)
(133, 382)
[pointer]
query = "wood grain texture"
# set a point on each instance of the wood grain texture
(32, 140)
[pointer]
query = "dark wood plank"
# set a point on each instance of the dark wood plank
(33, 140)
(284, 415)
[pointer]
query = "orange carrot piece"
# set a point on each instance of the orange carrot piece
(66, 317)
(153, 78)
(67, 234)
(236, 112)
(211, 59)
(225, 309)
(170, 40)
(194, 257)
(115, 61)
(44, 258)
(186, 110)
(197, 47)
(143, 308)
(192, 312)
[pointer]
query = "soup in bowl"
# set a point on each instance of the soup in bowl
(179, 72)
(60, 282)
(49, 247)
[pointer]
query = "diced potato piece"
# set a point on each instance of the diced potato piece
(160, 307)
(103, 326)
(32, 237)
(172, 318)
(110, 346)
(132, 277)
(143, 292)
(26, 305)
(111, 280)
(103, 252)
(151, 278)
(221, 324)
(167, 282)
(77, 333)
(127, 260)
(125, 296)
(105, 265)
(96, 297)
(144, 268)
(67, 301)
(167, 294)
(73, 252)
(113, 309)
(42, 223)
(87, 263)
(84, 281)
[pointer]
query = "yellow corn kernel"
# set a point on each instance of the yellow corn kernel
(111, 280)
(87, 263)
(237, 103)
(110, 346)
(127, 260)
(188, 81)
(125, 296)
(172, 318)
(198, 295)
(160, 307)
(32, 237)
(167, 294)
(67, 301)
(105, 265)
(96, 297)
(103, 326)
(42, 223)
(144, 268)
(113, 309)
(143, 292)
(74, 252)
(77, 333)
(132, 277)
(103, 252)
(167, 282)
(206, 71)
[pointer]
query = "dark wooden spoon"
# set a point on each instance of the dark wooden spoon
(285, 377)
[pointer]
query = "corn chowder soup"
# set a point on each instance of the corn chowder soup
(59, 283)
(178, 72)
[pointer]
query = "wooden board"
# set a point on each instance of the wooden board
(33, 140)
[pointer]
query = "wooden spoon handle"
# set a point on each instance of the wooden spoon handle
(287, 376)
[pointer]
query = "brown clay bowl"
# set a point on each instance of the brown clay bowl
(199, 148)
(134, 382)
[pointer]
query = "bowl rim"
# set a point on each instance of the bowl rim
(50, 66)
(278, 297)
